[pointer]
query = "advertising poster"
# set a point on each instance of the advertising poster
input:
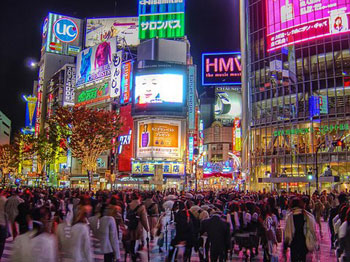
(99, 30)
(295, 21)
(159, 88)
(93, 94)
(228, 105)
(116, 73)
(125, 139)
(31, 110)
(163, 19)
(127, 83)
(159, 139)
(95, 62)
(221, 69)
(69, 82)
(62, 35)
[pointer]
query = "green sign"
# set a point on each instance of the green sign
(322, 130)
(168, 25)
(93, 94)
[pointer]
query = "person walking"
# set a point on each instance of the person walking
(299, 232)
(11, 209)
(218, 231)
(105, 230)
(3, 223)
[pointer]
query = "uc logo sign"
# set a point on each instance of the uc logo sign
(66, 30)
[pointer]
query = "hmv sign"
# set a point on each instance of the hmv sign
(221, 69)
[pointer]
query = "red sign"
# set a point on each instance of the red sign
(125, 139)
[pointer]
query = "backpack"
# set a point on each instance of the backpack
(133, 218)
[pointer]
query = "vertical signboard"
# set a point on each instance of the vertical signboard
(125, 139)
(116, 72)
(126, 85)
(31, 111)
(190, 148)
(163, 19)
(237, 136)
(191, 97)
(69, 83)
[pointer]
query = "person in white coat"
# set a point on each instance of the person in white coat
(104, 229)
(74, 241)
(36, 245)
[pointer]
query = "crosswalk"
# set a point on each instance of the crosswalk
(324, 254)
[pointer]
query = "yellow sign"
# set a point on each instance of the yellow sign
(159, 138)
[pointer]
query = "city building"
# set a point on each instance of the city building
(297, 92)
(5, 129)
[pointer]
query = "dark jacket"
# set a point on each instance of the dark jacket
(218, 232)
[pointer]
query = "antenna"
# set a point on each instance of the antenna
(115, 7)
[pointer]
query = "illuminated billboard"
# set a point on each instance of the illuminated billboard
(93, 94)
(169, 169)
(99, 30)
(160, 89)
(127, 82)
(159, 139)
(221, 69)
(290, 22)
(69, 83)
(162, 19)
(62, 34)
(95, 62)
(125, 139)
(228, 105)
(31, 108)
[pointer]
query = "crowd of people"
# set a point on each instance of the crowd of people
(58, 225)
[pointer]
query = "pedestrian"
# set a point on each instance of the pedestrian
(152, 212)
(3, 222)
(344, 239)
(11, 209)
(219, 237)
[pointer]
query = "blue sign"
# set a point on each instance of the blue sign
(147, 7)
(66, 30)
(190, 148)
(191, 97)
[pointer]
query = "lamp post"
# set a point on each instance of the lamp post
(316, 162)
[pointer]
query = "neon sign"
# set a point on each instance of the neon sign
(66, 30)
(221, 69)
(124, 140)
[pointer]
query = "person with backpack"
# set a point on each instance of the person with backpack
(136, 221)
(300, 231)
(152, 212)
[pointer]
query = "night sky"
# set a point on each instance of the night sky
(211, 25)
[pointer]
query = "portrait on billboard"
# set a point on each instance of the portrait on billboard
(294, 21)
(159, 138)
(228, 105)
(159, 88)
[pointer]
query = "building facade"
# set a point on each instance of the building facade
(5, 129)
(298, 86)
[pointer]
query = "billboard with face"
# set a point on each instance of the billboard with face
(94, 63)
(159, 139)
(295, 21)
(159, 89)
(62, 35)
(99, 30)
(228, 105)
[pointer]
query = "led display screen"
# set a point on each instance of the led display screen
(159, 89)
(295, 21)
(228, 105)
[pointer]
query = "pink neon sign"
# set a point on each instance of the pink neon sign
(295, 21)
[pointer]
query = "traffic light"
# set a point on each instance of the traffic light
(337, 143)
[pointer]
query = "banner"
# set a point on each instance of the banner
(127, 82)
(95, 62)
(69, 82)
(99, 30)
(191, 97)
(125, 148)
(116, 69)
(159, 139)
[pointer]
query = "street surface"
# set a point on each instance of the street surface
(324, 254)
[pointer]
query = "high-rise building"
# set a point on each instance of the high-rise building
(297, 88)
(5, 129)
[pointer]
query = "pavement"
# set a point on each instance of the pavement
(324, 254)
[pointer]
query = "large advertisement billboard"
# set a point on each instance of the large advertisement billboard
(99, 30)
(221, 69)
(62, 34)
(95, 62)
(295, 21)
(93, 94)
(159, 139)
(163, 19)
(125, 139)
(228, 105)
(162, 89)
